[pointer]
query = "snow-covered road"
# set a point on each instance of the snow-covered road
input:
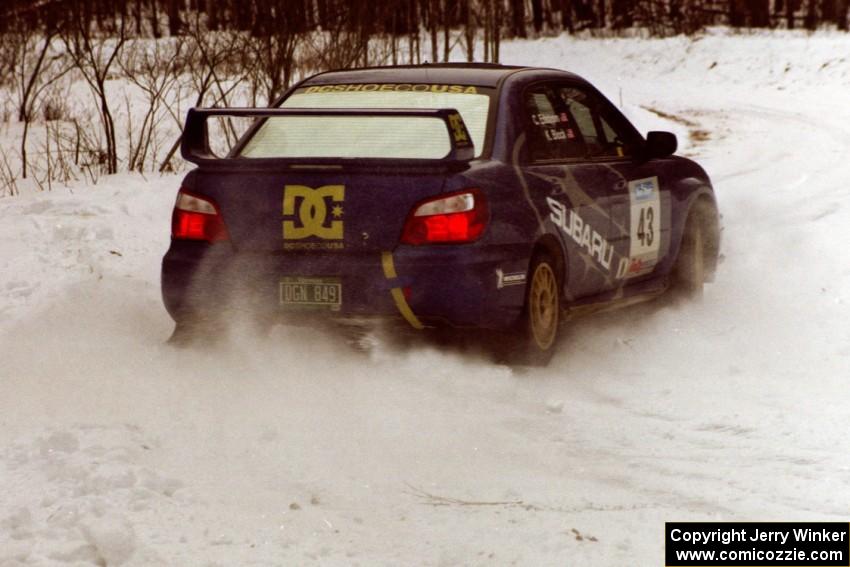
(294, 450)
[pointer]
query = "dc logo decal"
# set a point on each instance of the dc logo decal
(310, 207)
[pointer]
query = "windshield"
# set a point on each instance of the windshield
(371, 136)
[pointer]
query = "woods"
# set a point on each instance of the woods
(96, 87)
(400, 18)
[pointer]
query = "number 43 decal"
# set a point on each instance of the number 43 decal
(644, 227)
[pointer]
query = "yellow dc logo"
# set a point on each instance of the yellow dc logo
(312, 211)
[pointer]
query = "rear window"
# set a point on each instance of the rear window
(371, 136)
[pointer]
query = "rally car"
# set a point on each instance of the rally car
(466, 196)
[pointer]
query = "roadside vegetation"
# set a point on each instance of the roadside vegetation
(93, 87)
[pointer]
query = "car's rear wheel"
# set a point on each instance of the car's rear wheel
(534, 340)
(543, 306)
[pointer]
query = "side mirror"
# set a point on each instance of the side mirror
(660, 144)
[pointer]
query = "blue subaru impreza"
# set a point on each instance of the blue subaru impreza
(463, 196)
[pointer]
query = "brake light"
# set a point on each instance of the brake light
(455, 218)
(197, 218)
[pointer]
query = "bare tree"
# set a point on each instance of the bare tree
(94, 57)
(567, 16)
(8, 57)
(841, 15)
(35, 68)
(447, 9)
(433, 23)
(175, 23)
(335, 47)
(216, 64)
(277, 31)
(789, 14)
(274, 62)
(518, 18)
(155, 71)
(492, 30)
(537, 15)
(487, 20)
(8, 175)
(496, 39)
(811, 19)
(470, 30)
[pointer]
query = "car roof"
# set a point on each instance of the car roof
(477, 74)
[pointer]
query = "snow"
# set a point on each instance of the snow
(295, 449)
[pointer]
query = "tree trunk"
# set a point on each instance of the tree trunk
(736, 18)
(394, 37)
(841, 15)
(567, 16)
(307, 17)
(242, 11)
(811, 16)
(487, 26)
(518, 13)
(137, 14)
(174, 22)
(828, 10)
(322, 6)
(759, 13)
(212, 15)
(537, 14)
(24, 148)
(620, 12)
(412, 36)
(121, 10)
(470, 35)
(109, 131)
(446, 34)
(155, 19)
(432, 25)
(497, 31)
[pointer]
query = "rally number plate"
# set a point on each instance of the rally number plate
(311, 293)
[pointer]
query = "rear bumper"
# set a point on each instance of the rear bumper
(447, 285)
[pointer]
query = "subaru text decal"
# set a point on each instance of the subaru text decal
(581, 232)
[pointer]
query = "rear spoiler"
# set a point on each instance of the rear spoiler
(195, 146)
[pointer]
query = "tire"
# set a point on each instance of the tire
(689, 274)
(534, 340)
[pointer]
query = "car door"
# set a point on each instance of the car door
(570, 190)
(638, 196)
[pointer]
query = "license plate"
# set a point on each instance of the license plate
(315, 293)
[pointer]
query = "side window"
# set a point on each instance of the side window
(550, 132)
(601, 137)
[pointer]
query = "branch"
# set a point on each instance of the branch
(437, 500)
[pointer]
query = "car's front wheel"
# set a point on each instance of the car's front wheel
(689, 274)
